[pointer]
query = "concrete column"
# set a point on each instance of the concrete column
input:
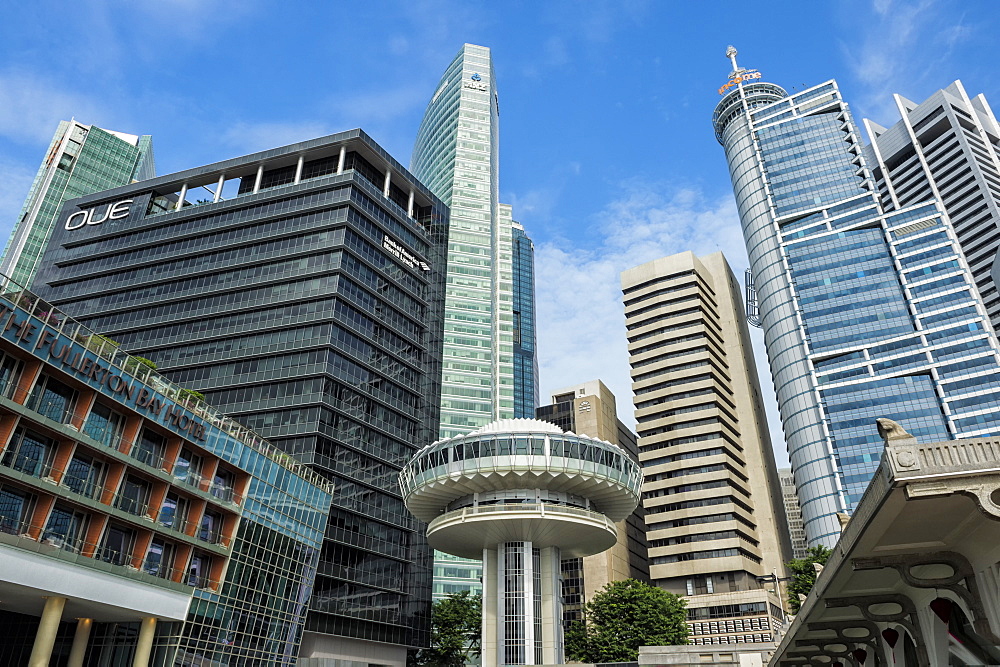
(409, 205)
(260, 177)
(298, 169)
(218, 187)
(491, 627)
(388, 181)
(552, 634)
(145, 644)
(45, 638)
(80, 640)
(343, 158)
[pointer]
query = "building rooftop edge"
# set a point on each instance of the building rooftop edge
(179, 177)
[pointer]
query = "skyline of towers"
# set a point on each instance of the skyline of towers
(81, 159)
(715, 519)
(866, 313)
(301, 290)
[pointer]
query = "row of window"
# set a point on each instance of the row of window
(66, 528)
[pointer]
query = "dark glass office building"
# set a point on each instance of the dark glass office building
(525, 351)
(301, 291)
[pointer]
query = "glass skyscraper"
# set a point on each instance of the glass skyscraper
(489, 368)
(948, 148)
(455, 156)
(82, 159)
(866, 312)
(525, 351)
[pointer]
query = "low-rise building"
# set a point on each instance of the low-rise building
(136, 523)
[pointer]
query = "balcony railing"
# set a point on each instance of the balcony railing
(37, 539)
(108, 351)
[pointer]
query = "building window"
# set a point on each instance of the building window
(85, 476)
(187, 468)
(133, 496)
(29, 453)
(173, 513)
(222, 485)
(65, 529)
(149, 448)
(10, 372)
(116, 547)
(700, 586)
(199, 569)
(159, 559)
(105, 425)
(211, 527)
(52, 399)
(14, 510)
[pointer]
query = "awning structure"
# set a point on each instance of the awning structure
(914, 579)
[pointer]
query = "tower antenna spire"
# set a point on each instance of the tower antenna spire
(731, 54)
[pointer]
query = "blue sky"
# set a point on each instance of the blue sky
(607, 152)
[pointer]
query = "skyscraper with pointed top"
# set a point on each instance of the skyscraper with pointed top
(867, 300)
(456, 156)
(81, 160)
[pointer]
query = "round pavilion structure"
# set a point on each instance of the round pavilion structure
(522, 495)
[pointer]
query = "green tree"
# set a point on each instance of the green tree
(456, 631)
(624, 616)
(804, 574)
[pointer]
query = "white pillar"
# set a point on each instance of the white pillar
(80, 639)
(388, 181)
(409, 206)
(48, 626)
(260, 177)
(491, 607)
(553, 645)
(342, 159)
(180, 199)
(144, 646)
(218, 187)
(298, 169)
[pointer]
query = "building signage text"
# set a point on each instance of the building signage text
(114, 211)
(402, 254)
(745, 75)
(46, 343)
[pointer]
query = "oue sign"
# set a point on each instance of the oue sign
(91, 216)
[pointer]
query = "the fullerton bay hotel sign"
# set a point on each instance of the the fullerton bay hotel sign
(58, 349)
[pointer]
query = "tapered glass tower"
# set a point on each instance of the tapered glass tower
(81, 160)
(455, 155)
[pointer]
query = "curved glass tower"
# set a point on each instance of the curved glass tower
(455, 156)
(866, 312)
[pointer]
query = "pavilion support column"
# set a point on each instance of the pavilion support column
(80, 640)
(45, 638)
(145, 644)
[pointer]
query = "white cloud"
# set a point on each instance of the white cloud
(902, 46)
(33, 105)
(581, 321)
(251, 137)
